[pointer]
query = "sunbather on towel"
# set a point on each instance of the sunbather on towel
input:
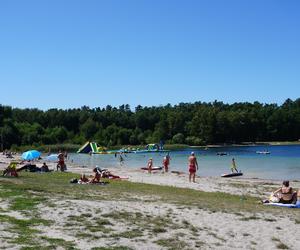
(97, 176)
(284, 195)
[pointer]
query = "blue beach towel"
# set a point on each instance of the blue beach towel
(297, 205)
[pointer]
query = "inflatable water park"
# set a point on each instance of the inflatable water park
(94, 148)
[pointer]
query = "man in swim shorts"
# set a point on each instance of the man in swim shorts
(193, 166)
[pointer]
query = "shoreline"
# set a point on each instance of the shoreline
(256, 187)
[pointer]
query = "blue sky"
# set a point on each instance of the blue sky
(68, 54)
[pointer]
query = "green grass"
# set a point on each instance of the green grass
(172, 243)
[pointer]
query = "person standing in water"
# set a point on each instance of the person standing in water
(150, 165)
(193, 167)
(121, 159)
(233, 166)
(166, 162)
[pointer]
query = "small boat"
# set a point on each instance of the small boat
(265, 152)
(153, 169)
(232, 174)
(222, 153)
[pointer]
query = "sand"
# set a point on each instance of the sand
(189, 227)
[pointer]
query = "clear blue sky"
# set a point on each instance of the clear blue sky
(65, 54)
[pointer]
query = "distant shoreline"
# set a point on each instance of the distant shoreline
(173, 147)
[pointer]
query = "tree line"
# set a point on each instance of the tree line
(196, 123)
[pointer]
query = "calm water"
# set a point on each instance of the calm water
(282, 163)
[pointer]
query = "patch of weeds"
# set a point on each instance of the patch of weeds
(275, 239)
(87, 215)
(25, 203)
(82, 235)
(56, 242)
(282, 246)
(25, 234)
(159, 230)
(216, 236)
(238, 214)
(102, 222)
(199, 244)
(171, 243)
(134, 233)
(185, 223)
(253, 242)
(269, 219)
(112, 248)
(297, 221)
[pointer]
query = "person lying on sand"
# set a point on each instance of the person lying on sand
(284, 195)
(107, 174)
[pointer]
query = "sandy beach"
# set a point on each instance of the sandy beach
(184, 227)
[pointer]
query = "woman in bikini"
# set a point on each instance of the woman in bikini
(285, 194)
(193, 167)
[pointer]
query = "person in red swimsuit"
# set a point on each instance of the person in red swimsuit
(193, 166)
(166, 162)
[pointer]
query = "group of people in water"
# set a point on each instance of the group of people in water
(192, 165)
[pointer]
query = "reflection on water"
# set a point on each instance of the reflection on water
(282, 163)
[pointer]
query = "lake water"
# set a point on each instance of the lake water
(282, 163)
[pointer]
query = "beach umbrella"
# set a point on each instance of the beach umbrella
(52, 157)
(31, 155)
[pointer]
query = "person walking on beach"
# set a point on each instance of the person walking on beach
(150, 165)
(233, 166)
(166, 162)
(193, 167)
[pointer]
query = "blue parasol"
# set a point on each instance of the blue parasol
(31, 155)
(52, 157)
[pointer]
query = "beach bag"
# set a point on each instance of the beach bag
(74, 181)
(274, 198)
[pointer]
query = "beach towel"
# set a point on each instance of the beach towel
(297, 205)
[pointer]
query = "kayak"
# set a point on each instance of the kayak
(232, 175)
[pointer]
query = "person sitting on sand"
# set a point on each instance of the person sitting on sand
(11, 170)
(83, 179)
(233, 166)
(284, 195)
(192, 167)
(150, 165)
(96, 177)
(45, 168)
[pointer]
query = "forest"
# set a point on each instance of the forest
(198, 123)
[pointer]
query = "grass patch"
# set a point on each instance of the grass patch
(282, 246)
(55, 242)
(112, 248)
(172, 243)
(134, 233)
(23, 228)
